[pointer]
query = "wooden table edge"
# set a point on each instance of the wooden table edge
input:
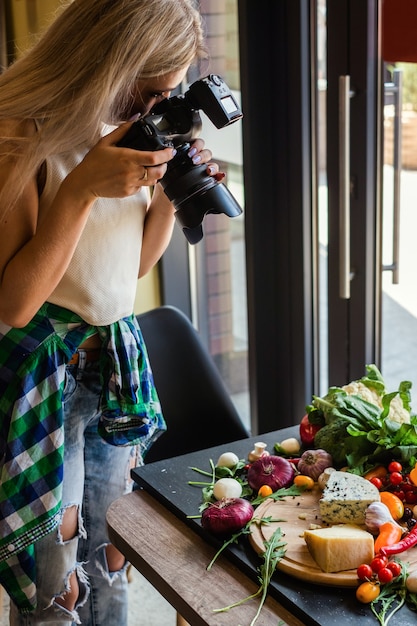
(132, 522)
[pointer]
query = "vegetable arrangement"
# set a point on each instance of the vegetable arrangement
(373, 433)
(361, 425)
(230, 497)
(360, 428)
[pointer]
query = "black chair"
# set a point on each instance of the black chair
(195, 402)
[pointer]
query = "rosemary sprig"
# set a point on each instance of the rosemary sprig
(274, 552)
(244, 531)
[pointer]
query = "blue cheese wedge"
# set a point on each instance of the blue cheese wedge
(341, 547)
(345, 498)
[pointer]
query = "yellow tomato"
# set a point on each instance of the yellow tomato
(394, 504)
(264, 491)
(413, 475)
(305, 482)
(366, 592)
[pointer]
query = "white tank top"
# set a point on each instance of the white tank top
(101, 279)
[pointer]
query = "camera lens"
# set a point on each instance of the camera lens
(194, 194)
(191, 212)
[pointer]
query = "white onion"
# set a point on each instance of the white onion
(290, 446)
(227, 516)
(227, 488)
(227, 459)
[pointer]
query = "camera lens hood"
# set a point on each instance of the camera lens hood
(191, 212)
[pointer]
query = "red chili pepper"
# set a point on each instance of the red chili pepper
(409, 541)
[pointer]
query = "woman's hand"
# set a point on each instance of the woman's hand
(110, 171)
(159, 220)
(199, 154)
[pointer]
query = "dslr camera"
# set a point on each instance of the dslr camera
(175, 122)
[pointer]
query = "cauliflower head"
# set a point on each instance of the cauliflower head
(397, 412)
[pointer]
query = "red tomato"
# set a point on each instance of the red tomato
(411, 497)
(400, 494)
(395, 466)
(396, 478)
(376, 481)
(385, 575)
(308, 431)
(395, 568)
(364, 571)
(378, 563)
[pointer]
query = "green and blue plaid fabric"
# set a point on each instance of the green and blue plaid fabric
(32, 378)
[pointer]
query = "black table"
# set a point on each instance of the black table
(314, 605)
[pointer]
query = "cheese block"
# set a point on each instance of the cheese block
(346, 497)
(341, 547)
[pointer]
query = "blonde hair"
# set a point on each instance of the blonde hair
(82, 73)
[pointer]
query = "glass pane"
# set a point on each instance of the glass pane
(321, 55)
(223, 272)
(399, 298)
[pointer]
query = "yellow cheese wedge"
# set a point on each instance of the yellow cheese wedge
(340, 547)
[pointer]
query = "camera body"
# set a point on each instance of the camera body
(175, 122)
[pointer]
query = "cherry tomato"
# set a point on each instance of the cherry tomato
(400, 494)
(395, 478)
(413, 475)
(394, 504)
(364, 571)
(395, 466)
(305, 482)
(385, 575)
(376, 481)
(264, 491)
(395, 568)
(378, 563)
(366, 592)
(411, 497)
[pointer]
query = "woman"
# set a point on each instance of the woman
(78, 226)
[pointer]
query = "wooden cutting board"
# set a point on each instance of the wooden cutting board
(298, 513)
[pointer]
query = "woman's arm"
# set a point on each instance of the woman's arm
(34, 254)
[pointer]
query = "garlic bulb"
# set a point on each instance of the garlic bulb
(376, 514)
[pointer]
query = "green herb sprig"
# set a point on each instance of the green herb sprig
(391, 598)
(244, 531)
(235, 472)
(274, 551)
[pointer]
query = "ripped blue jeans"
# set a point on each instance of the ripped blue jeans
(95, 474)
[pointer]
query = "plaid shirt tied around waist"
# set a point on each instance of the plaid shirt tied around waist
(32, 377)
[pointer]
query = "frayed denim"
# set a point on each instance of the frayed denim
(95, 474)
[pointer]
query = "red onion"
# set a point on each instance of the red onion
(227, 515)
(274, 471)
(313, 463)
